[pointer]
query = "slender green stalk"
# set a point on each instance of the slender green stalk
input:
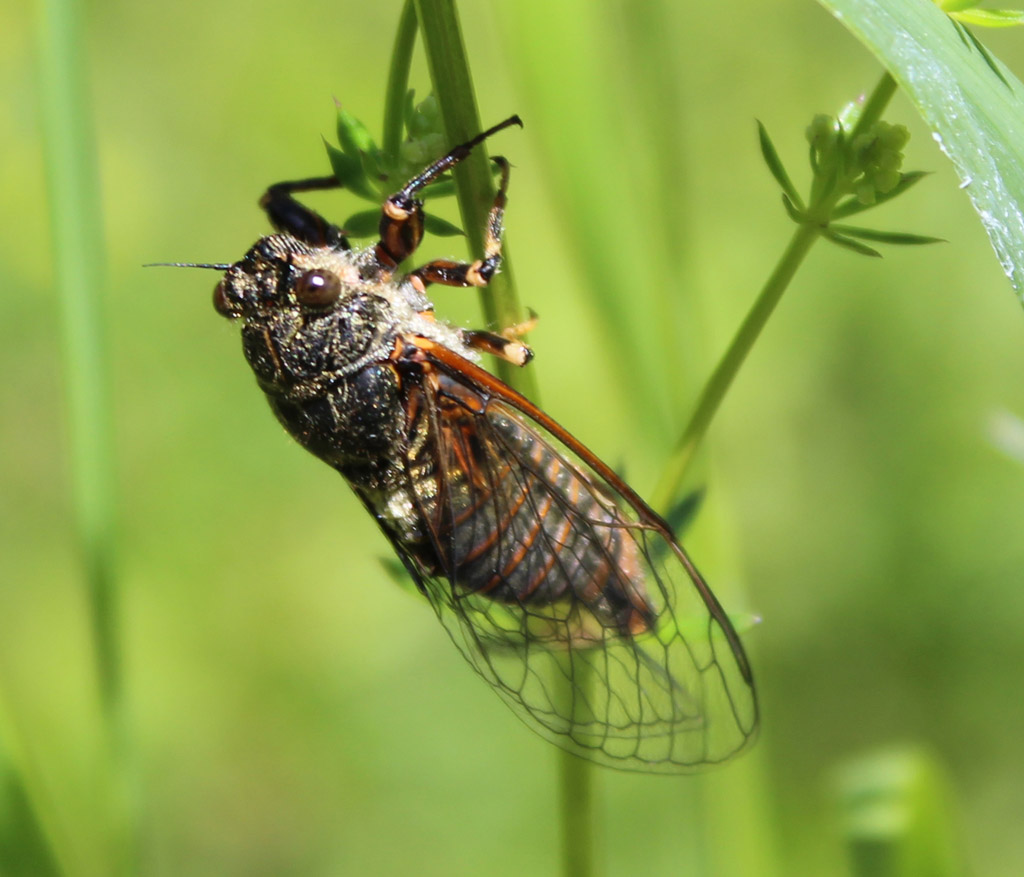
(575, 791)
(398, 82)
(722, 377)
(78, 246)
(576, 777)
(875, 105)
(453, 87)
(750, 329)
(73, 194)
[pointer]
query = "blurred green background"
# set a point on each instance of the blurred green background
(292, 711)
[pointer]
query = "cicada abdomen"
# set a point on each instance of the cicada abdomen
(511, 519)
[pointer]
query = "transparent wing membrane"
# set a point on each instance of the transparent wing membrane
(567, 594)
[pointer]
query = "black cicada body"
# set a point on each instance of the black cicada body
(557, 582)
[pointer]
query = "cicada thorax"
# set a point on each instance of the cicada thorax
(514, 521)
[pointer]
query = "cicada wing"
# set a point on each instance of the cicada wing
(564, 591)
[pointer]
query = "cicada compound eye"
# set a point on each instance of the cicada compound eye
(318, 288)
(221, 303)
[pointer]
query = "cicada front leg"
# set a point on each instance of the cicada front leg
(288, 215)
(401, 224)
(480, 271)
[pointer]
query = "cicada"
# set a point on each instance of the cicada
(561, 587)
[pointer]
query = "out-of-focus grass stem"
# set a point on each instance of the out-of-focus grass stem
(17, 753)
(77, 234)
(78, 246)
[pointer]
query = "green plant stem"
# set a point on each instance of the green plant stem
(575, 790)
(750, 329)
(77, 247)
(398, 82)
(453, 87)
(875, 105)
(725, 372)
(576, 777)
(78, 244)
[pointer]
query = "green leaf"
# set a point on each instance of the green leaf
(885, 237)
(791, 209)
(680, 515)
(850, 243)
(684, 512)
(353, 136)
(373, 169)
(443, 188)
(441, 227)
(991, 17)
(972, 42)
(360, 161)
(364, 224)
(975, 110)
(854, 205)
(349, 172)
(771, 158)
(423, 118)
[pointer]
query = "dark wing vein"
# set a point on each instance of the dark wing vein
(565, 592)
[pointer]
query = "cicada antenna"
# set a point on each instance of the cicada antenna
(216, 266)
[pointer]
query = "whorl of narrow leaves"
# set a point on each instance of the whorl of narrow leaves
(850, 173)
(364, 169)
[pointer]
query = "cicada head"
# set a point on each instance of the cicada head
(280, 274)
(307, 312)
